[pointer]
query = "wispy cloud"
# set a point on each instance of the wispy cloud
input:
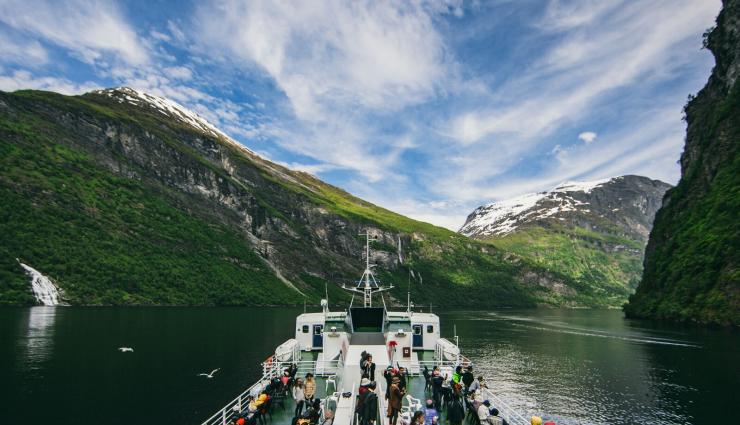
(429, 108)
(89, 29)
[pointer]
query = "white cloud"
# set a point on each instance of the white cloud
(323, 54)
(21, 80)
(587, 136)
(29, 53)
(89, 29)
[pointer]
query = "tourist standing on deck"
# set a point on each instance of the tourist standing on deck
(370, 406)
(456, 411)
(368, 368)
(299, 396)
(309, 388)
(395, 399)
(468, 378)
(437, 381)
(418, 418)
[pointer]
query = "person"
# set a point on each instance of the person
(328, 418)
(485, 417)
(457, 375)
(395, 399)
(550, 422)
(368, 368)
(475, 386)
(496, 419)
(456, 411)
(536, 420)
(427, 379)
(437, 381)
(309, 389)
(418, 418)
(363, 386)
(361, 397)
(468, 378)
(285, 379)
(402, 376)
(388, 375)
(314, 412)
(430, 413)
(370, 406)
(299, 396)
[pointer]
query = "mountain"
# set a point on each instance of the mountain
(692, 258)
(594, 232)
(119, 197)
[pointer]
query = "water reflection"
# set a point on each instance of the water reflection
(38, 344)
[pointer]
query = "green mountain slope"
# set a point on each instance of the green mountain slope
(593, 232)
(127, 202)
(691, 262)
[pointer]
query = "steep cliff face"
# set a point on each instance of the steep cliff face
(594, 232)
(691, 262)
(125, 198)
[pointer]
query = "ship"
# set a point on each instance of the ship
(331, 346)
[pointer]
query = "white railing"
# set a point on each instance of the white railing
(222, 416)
(272, 369)
(505, 410)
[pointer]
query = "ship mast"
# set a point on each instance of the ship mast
(367, 284)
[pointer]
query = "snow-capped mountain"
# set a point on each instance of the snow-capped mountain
(627, 203)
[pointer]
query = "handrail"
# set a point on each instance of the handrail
(506, 410)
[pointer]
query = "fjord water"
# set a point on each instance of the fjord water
(61, 365)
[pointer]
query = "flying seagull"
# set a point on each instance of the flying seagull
(209, 375)
(126, 349)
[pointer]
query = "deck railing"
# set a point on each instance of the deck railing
(270, 370)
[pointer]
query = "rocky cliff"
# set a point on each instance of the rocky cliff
(691, 263)
(125, 198)
(594, 232)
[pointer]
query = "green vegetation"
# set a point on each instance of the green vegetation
(606, 267)
(112, 240)
(120, 220)
(691, 264)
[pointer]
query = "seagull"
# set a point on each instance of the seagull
(126, 349)
(209, 375)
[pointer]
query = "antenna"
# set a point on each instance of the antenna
(326, 291)
(304, 305)
(367, 283)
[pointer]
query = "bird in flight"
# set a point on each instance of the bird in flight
(209, 375)
(126, 349)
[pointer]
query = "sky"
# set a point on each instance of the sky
(428, 108)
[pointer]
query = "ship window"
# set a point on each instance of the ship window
(305, 329)
(417, 329)
(430, 329)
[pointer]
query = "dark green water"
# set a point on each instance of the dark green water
(61, 365)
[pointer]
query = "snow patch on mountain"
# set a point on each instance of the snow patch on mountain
(503, 217)
(170, 109)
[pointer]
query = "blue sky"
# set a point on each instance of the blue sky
(429, 108)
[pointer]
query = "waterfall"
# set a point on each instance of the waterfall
(44, 290)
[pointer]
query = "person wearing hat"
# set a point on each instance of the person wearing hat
(388, 375)
(395, 399)
(362, 393)
(484, 415)
(496, 419)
